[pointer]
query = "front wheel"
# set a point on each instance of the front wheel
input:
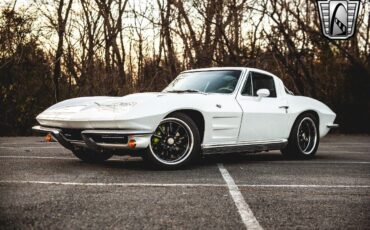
(304, 138)
(175, 142)
(91, 156)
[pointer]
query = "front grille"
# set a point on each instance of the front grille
(109, 138)
(75, 135)
(72, 134)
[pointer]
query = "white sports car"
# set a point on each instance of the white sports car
(203, 111)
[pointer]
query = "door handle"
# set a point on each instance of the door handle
(284, 107)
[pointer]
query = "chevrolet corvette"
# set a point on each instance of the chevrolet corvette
(202, 111)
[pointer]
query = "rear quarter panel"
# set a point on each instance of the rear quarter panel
(300, 104)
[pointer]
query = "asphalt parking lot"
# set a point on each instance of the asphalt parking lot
(43, 186)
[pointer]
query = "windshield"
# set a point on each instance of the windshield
(216, 81)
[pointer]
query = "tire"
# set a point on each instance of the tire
(175, 143)
(91, 156)
(304, 138)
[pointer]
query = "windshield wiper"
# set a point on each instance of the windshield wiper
(185, 91)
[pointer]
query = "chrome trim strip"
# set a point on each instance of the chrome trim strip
(243, 144)
(124, 132)
(223, 128)
(246, 147)
(219, 117)
(333, 126)
(42, 129)
(113, 146)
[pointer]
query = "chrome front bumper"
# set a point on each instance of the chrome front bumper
(99, 139)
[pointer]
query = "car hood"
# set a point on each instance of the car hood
(102, 100)
(139, 108)
(93, 106)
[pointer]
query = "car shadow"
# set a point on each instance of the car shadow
(136, 163)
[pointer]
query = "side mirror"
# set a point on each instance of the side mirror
(263, 93)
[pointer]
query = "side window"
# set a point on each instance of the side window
(256, 81)
(247, 89)
(262, 81)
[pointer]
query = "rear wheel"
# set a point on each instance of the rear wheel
(175, 142)
(304, 138)
(91, 156)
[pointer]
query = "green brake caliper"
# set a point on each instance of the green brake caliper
(155, 140)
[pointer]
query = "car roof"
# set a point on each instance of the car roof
(229, 68)
(215, 68)
(232, 68)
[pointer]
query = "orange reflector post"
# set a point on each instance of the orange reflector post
(48, 138)
(131, 144)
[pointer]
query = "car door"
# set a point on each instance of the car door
(264, 119)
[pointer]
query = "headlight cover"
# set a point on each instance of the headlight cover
(118, 107)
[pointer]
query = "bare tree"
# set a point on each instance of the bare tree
(62, 10)
(165, 12)
(112, 27)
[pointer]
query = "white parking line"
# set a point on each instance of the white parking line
(260, 161)
(345, 143)
(21, 142)
(342, 152)
(245, 212)
(179, 184)
(310, 162)
(39, 157)
(56, 145)
(301, 186)
(110, 184)
(31, 147)
(64, 158)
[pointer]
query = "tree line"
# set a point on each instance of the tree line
(54, 50)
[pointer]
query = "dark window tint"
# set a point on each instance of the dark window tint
(262, 81)
(247, 89)
(256, 81)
